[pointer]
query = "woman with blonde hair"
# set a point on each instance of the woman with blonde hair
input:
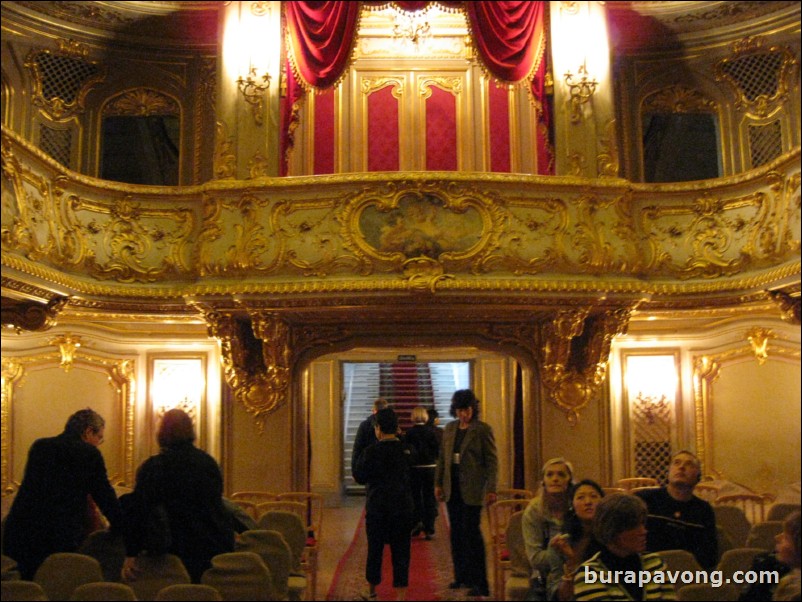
(423, 441)
(543, 518)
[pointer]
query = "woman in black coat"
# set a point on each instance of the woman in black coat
(187, 483)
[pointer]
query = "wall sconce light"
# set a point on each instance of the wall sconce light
(67, 346)
(581, 90)
(759, 340)
(176, 383)
(254, 92)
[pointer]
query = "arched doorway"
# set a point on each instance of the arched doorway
(492, 375)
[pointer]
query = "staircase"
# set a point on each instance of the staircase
(361, 384)
(406, 385)
(403, 384)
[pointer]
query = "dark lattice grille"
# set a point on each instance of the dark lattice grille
(63, 76)
(56, 143)
(652, 429)
(652, 459)
(755, 74)
(765, 143)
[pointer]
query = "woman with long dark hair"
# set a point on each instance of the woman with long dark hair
(576, 543)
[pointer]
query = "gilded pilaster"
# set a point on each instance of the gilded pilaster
(250, 114)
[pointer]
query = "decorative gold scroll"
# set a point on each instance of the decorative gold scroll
(257, 360)
(573, 378)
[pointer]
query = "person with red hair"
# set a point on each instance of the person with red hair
(187, 483)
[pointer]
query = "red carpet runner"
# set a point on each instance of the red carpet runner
(430, 569)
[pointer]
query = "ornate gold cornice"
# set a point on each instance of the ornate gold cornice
(29, 315)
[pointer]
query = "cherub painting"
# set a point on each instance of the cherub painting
(420, 227)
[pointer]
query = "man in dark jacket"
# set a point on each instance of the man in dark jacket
(365, 434)
(384, 468)
(678, 520)
(51, 508)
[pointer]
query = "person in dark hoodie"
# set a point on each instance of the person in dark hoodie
(384, 468)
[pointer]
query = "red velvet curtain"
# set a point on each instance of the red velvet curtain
(321, 36)
(510, 36)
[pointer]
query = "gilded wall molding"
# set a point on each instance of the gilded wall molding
(121, 378)
(706, 371)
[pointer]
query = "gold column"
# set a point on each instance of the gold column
(248, 82)
(584, 116)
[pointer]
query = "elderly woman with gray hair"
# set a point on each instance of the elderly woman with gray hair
(621, 570)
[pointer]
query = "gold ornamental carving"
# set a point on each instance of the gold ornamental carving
(257, 361)
(142, 102)
(572, 374)
(258, 166)
(678, 99)
(374, 84)
(447, 84)
(225, 158)
(67, 345)
(758, 339)
(760, 75)
(607, 162)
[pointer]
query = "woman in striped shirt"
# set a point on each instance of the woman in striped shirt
(621, 571)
